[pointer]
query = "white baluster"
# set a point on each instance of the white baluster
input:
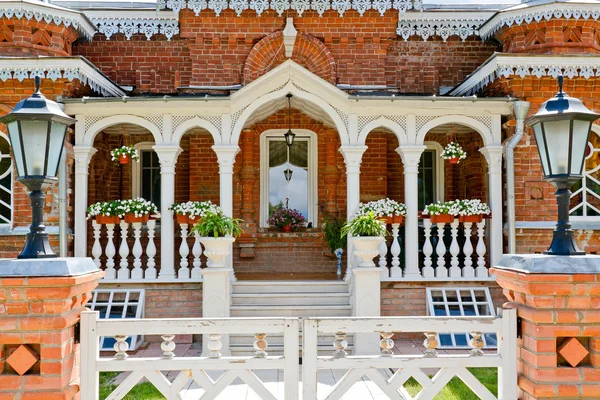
(151, 251)
(440, 270)
(454, 250)
(428, 271)
(110, 272)
(383, 249)
(387, 344)
(481, 271)
(260, 345)
(123, 252)
(468, 271)
(339, 344)
(197, 252)
(96, 248)
(395, 271)
(184, 251)
(168, 346)
(121, 347)
(214, 345)
(137, 272)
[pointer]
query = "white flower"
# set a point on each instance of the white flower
(453, 150)
(382, 208)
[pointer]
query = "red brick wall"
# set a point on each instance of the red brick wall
(27, 38)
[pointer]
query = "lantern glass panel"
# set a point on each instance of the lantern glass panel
(34, 134)
(581, 132)
(15, 143)
(57, 141)
(557, 140)
(539, 138)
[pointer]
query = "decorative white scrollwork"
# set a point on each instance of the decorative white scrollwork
(130, 26)
(50, 16)
(444, 28)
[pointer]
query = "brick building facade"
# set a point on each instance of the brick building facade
(377, 94)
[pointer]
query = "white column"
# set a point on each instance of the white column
(226, 158)
(216, 299)
(167, 156)
(353, 158)
(366, 303)
(493, 156)
(411, 155)
(83, 155)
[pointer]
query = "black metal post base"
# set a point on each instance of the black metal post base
(37, 244)
(563, 240)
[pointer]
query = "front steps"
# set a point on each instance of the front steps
(288, 299)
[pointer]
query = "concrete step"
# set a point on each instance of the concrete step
(295, 299)
(266, 311)
(241, 287)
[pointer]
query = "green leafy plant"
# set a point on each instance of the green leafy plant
(217, 225)
(364, 225)
(332, 232)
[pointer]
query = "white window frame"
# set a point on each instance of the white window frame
(313, 158)
(431, 310)
(583, 189)
(4, 226)
(440, 184)
(136, 169)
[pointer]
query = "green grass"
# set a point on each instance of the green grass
(455, 390)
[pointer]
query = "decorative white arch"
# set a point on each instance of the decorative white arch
(480, 127)
(383, 122)
(94, 129)
(196, 122)
(290, 88)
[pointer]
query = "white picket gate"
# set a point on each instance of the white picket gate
(370, 365)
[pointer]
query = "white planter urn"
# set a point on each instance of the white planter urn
(366, 248)
(216, 250)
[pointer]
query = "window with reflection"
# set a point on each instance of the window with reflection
(585, 198)
(427, 178)
(6, 182)
(150, 176)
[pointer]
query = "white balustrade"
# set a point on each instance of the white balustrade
(395, 270)
(428, 271)
(454, 250)
(481, 249)
(383, 250)
(143, 250)
(468, 271)
(184, 251)
(441, 271)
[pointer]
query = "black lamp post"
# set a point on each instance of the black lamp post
(37, 128)
(562, 129)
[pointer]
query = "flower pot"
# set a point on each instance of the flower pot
(182, 219)
(107, 219)
(131, 218)
(471, 218)
(216, 250)
(397, 219)
(442, 219)
(124, 159)
(287, 228)
(366, 248)
(454, 160)
(388, 220)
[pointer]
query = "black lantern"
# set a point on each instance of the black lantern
(289, 135)
(562, 129)
(37, 128)
(288, 174)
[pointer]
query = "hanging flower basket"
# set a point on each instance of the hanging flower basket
(453, 153)
(386, 209)
(124, 154)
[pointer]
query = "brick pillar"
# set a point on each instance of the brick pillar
(248, 175)
(558, 303)
(39, 353)
(331, 172)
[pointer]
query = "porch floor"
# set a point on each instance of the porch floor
(273, 379)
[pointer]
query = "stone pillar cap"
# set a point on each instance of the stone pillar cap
(545, 264)
(47, 267)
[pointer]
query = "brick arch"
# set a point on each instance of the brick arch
(309, 52)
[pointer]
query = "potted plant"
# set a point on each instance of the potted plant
(472, 210)
(190, 212)
(217, 232)
(137, 210)
(123, 154)
(389, 210)
(453, 153)
(286, 219)
(105, 212)
(332, 233)
(441, 213)
(367, 233)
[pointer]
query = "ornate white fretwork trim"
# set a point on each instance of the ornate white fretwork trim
(54, 68)
(129, 23)
(443, 24)
(50, 14)
(279, 6)
(526, 14)
(506, 65)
